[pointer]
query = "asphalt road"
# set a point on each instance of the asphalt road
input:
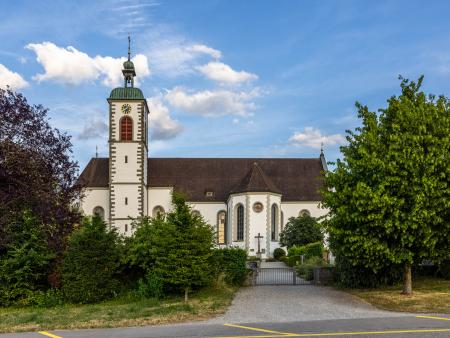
(407, 327)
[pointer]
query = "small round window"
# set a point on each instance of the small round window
(258, 207)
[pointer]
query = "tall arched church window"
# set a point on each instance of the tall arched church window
(221, 224)
(126, 129)
(100, 212)
(158, 211)
(304, 212)
(240, 223)
(274, 222)
(281, 221)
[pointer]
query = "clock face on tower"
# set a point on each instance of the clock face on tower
(126, 108)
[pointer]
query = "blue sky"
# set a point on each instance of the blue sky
(223, 78)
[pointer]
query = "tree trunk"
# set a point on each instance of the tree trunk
(407, 280)
(186, 295)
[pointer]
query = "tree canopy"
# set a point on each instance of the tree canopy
(36, 169)
(300, 231)
(176, 246)
(389, 197)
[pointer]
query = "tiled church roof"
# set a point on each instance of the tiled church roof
(256, 181)
(297, 179)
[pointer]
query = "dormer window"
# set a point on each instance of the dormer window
(209, 193)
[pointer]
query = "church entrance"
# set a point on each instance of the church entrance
(277, 273)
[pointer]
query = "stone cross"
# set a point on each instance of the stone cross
(259, 246)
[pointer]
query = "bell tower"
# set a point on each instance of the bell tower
(128, 150)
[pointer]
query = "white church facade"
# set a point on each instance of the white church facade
(242, 198)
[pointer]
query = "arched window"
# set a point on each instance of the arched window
(221, 224)
(240, 223)
(158, 211)
(196, 213)
(304, 212)
(274, 223)
(126, 129)
(100, 212)
(281, 221)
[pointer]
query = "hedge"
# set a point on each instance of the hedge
(232, 262)
(309, 250)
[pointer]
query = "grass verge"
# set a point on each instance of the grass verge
(118, 312)
(430, 295)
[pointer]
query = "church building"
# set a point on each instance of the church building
(247, 200)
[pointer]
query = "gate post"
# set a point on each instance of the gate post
(294, 279)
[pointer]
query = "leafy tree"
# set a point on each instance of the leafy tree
(25, 263)
(91, 263)
(389, 197)
(36, 171)
(177, 247)
(300, 231)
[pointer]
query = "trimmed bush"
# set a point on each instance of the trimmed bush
(306, 270)
(278, 253)
(91, 262)
(232, 263)
(308, 250)
(301, 230)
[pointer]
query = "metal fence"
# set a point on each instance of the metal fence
(277, 276)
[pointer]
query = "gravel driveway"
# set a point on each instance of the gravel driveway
(286, 303)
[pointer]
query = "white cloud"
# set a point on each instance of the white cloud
(313, 138)
(71, 66)
(203, 49)
(171, 54)
(12, 79)
(162, 126)
(223, 73)
(213, 103)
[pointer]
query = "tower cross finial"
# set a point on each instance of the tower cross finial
(129, 46)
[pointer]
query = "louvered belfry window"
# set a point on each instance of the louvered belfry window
(126, 129)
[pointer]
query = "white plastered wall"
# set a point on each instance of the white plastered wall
(209, 211)
(94, 197)
(161, 196)
(292, 209)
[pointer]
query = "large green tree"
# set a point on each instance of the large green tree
(91, 263)
(389, 197)
(301, 230)
(177, 247)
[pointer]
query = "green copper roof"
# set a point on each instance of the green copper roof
(128, 65)
(128, 93)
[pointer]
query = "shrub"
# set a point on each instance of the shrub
(151, 286)
(356, 276)
(91, 262)
(49, 298)
(308, 250)
(25, 264)
(301, 230)
(306, 270)
(232, 263)
(278, 253)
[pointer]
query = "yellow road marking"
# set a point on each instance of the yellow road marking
(48, 334)
(432, 317)
(284, 334)
(336, 334)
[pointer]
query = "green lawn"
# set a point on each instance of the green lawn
(118, 312)
(430, 295)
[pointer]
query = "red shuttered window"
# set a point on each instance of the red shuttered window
(126, 129)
